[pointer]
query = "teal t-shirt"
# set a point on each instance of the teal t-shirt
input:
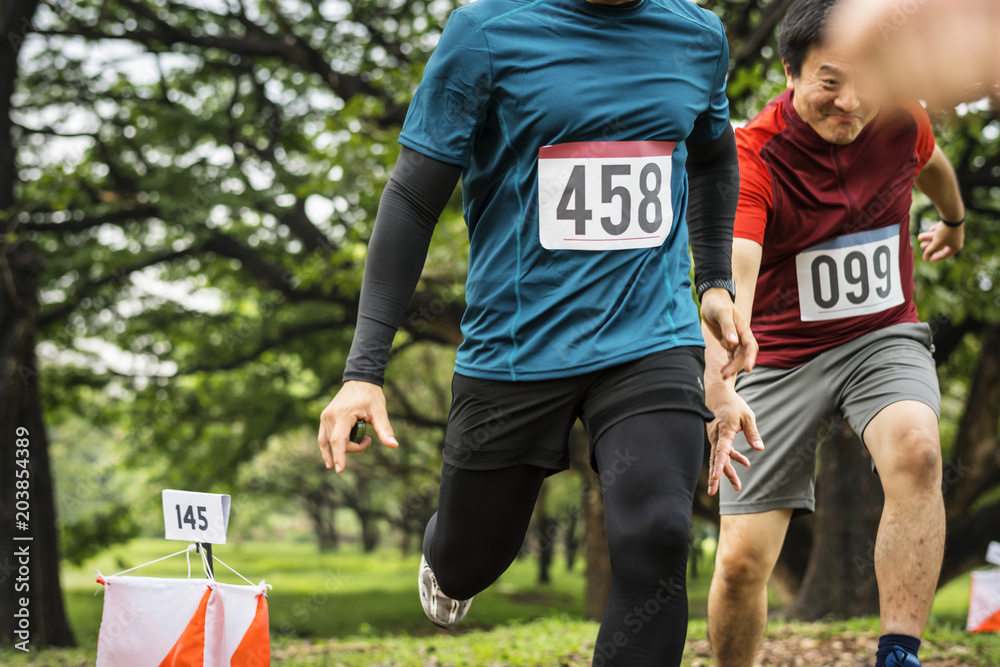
(570, 121)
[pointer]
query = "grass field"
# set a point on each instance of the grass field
(352, 609)
(344, 594)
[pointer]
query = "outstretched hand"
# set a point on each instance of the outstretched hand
(732, 415)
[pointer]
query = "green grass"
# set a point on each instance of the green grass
(551, 641)
(951, 602)
(341, 594)
(568, 642)
(349, 608)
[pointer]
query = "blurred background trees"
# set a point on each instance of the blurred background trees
(186, 193)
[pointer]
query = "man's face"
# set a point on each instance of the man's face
(829, 97)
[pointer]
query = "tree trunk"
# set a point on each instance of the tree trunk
(360, 501)
(29, 568)
(571, 542)
(974, 467)
(840, 578)
(322, 515)
(403, 540)
(369, 531)
(967, 540)
(595, 534)
(327, 536)
(545, 529)
(790, 570)
(35, 542)
(694, 555)
(598, 556)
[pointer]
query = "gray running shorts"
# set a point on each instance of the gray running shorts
(795, 408)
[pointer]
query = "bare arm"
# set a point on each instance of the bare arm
(937, 180)
(732, 414)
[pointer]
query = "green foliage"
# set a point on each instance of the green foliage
(201, 189)
(87, 537)
(96, 504)
(969, 287)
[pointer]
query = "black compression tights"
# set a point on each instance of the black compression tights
(649, 467)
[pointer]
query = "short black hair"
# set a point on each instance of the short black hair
(804, 25)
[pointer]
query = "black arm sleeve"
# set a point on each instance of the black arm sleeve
(411, 203)
(713, 192)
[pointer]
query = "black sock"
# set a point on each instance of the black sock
(886, 643)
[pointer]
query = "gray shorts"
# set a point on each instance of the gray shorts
(795, 409)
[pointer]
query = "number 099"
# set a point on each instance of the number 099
(856, 274)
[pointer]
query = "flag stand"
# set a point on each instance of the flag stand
(210, 565)
(193, 621)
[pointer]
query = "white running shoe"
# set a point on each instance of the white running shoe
(443, 611)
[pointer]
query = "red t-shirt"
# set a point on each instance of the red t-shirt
(833, 221)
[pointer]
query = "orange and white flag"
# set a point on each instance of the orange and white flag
(984, 602)
(151, 622)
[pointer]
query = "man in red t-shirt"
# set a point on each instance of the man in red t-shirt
(824, 268)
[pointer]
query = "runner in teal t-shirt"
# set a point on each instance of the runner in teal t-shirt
(592, 139)
(509, 78)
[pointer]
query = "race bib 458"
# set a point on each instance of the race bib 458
(604, 195)
(854, 274)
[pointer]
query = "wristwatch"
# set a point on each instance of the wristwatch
(727, 284)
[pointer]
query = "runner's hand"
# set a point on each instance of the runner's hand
(724, 321)
(942, 241)
(732, 415)
(355, 400)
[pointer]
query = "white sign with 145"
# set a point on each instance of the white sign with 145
(195, 517)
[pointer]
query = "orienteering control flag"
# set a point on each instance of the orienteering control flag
(152, 622)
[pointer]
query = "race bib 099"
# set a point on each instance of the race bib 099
(855, 274)
(604, 195)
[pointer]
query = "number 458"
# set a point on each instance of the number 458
(650, 210)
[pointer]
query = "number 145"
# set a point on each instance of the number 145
(201, 523)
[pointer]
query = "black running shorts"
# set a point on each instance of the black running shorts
(497, 424)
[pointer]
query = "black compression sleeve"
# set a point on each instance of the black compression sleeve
(411, 203)
(713, 191)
